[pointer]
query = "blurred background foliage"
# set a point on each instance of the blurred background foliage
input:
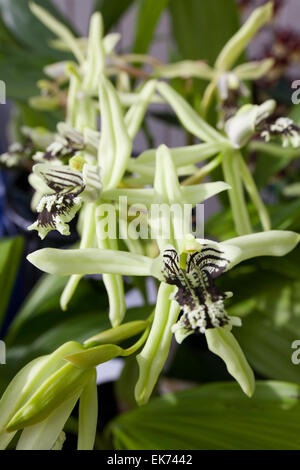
(271, 317)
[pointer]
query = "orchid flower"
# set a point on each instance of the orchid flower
(50, 386)
(221, 77)
(67, 191)
(236, 173)
(92, 56)
(167, 191)
(193, 272)
(95, 159)
(252, 119)
(190, 266)
(244, 124)
(82, 168)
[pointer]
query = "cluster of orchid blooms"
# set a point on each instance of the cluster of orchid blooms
(82, 168)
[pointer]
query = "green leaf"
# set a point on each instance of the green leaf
(267, 167)
(286, 216)
(148, 14)
(111, 11)
(24, 47)
(25, 27)
(20, 71)
(201, 28)
(270, 160)
(10, 256)
(267, 334)
(6, 37)
(41, 311)
(24, 115)
(215, 416)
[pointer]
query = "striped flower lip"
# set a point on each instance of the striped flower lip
(201, 301)
(284, 128)
(68, 190)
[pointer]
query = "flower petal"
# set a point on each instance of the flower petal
(221, 342)
(270, 243)
(154, 354)
(88, 415)
(94, 261)
(235, 46)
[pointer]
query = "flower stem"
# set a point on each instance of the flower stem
(232, 176)
(253, 193)
(204, 171)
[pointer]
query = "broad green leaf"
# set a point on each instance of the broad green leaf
(20, 86)
(6, 37)
(267, 167)
(269, 347)
(270, 160)
(28, 30)
(111, 11)
(24, 46)
(214, 416)
(148, 14)
(10, 257)
(268, 333)
(286, 216)
(79, 329)
(41, 309)
(201, 28)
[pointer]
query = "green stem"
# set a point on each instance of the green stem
(232, 176)
(208, 96)
(136, 346)
(204, 171)
(253, 193)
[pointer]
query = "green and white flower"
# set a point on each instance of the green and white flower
(241, 127)
(67, 190)
(196, 293)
